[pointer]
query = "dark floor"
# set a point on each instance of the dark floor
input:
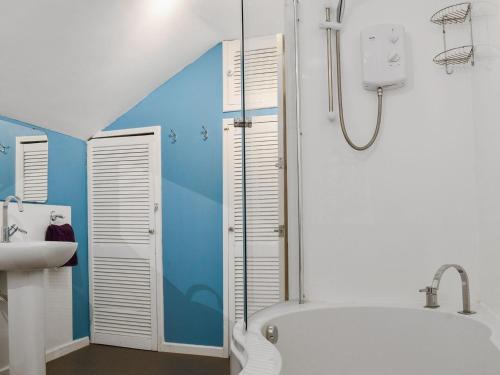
(108, 360)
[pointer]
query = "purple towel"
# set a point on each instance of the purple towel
(62, 233)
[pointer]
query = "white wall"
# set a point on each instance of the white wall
(378, 224)
(486, 105)
(58, 287)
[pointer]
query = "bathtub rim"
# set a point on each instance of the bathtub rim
(257, 356)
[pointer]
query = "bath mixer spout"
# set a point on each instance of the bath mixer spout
(431, 291)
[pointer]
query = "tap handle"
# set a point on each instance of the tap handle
(14, 228)
(431, 297)
(428, 290)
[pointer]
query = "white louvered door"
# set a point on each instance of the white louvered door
(262, 63)
(265, 245)
(122, 241)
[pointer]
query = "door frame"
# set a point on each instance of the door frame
(155, 131)
(226, 256)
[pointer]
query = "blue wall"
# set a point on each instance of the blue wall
(192, 196)
(68, 187)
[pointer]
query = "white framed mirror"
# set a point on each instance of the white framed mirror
(32, 168)
(24, 162)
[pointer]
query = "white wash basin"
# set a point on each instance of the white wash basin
(25, 263)
(33, 255)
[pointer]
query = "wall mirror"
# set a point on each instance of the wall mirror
(24, 162)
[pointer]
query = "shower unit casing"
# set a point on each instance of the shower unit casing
(384, 66)
(383, 52)
(383, 57)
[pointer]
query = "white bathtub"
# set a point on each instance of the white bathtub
(321, 339)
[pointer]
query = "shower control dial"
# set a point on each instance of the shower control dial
(394, 38)
(393, 57)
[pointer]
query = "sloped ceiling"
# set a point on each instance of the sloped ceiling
(74, 66)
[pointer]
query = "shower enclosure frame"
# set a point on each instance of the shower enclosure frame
(289, 107)
(294, 132)
(288, 104)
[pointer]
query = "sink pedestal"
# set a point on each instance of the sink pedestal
(24, 263)
(26, 322)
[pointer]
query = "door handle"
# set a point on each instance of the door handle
(151, 231)
(280, 230)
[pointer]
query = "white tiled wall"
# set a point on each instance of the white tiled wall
(486, 106)
(377, 224)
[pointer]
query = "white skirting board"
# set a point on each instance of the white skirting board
(207, 351)
(65, 349)
(59, 351)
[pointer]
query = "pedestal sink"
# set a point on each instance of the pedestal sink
(24, 263)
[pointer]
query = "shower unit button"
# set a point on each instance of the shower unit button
(393, 57)
(384, 56)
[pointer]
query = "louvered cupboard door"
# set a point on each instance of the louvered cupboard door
(265, 245)
(122, 241)
(263, 57)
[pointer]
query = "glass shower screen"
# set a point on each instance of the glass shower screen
(262, 133)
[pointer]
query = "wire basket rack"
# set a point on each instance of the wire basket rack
(454, 14)
(457, 13)
(455, 56)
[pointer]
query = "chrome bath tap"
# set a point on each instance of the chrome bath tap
(431, 291)
(9, 231)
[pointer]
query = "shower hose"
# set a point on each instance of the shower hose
(380, 93)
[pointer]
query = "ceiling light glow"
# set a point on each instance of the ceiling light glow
(162, 7)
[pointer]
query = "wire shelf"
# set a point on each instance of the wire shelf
(457, 13)
(455, 56)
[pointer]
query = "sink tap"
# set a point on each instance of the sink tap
(431, 291)
(8, 232)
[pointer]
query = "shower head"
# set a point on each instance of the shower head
(340, 10)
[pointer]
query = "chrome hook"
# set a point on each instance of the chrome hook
(3, 149)
(204, 133)
(172, 136)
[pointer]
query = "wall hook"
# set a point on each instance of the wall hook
(3, 149)
(204, 133)
(172, 136)
(54, 216)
